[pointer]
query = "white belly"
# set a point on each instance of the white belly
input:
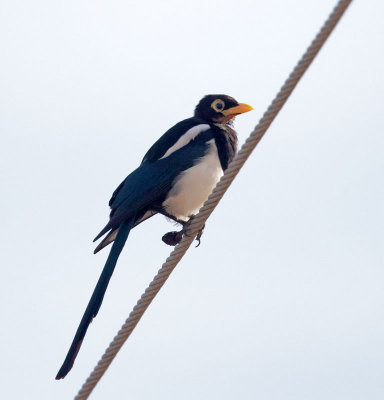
(192, 188)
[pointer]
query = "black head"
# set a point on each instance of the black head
(219, 108)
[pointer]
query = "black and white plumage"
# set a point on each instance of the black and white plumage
(175, 178)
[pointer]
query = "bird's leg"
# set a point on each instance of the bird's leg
(162, 211)
(174, 237)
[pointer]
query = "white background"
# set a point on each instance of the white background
(284, 298)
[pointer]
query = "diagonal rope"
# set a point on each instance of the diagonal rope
(198, 222)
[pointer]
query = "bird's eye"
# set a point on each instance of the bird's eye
(218, 105)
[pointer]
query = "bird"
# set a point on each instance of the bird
(175, 178)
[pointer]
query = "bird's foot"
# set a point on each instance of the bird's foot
(174, 238)
(199, 235)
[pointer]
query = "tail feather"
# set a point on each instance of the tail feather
(112, 234)
(107, 240)
(103, 231)
(97, 296)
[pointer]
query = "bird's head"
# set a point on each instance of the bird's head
(219, 108)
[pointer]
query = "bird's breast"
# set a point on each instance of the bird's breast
(193, 186)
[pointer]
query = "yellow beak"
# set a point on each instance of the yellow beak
(239, 109)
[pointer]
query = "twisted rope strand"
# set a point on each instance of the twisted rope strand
(198, 222)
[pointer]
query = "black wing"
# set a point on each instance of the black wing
(149, 184)
(169, 138)
(160, 147)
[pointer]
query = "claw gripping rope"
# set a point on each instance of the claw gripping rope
(198, 222)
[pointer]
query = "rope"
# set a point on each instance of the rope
(198, 222)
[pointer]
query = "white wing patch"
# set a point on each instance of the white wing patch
(192, 187)
(186, 138)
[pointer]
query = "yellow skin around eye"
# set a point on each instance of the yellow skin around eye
(216, 102)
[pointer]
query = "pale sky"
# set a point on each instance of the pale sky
(284, 298)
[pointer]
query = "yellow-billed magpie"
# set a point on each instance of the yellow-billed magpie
(175, 178)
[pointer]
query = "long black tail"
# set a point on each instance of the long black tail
(97, 297)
